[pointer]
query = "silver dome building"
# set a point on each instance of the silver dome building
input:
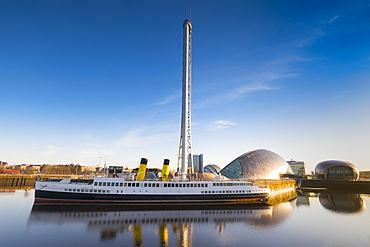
(260, 163)
(212, 169)
(336, 169)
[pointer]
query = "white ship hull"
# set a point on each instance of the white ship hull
(119, 191)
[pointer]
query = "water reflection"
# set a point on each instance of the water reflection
(342, 203)
(110, 221)
(336, 202)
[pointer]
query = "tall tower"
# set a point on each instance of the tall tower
(185, 153)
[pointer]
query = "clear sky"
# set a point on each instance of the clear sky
(85, 81)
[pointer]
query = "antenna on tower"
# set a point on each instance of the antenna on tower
(190, 13)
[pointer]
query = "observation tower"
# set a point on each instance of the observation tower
(185, 152)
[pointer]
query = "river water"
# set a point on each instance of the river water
(311, 219)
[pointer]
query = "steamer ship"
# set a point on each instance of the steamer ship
(179, 190)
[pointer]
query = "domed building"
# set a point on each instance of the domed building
(212, 169)
(260, 163)
(336, 169)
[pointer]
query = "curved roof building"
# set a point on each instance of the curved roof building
(260, 163)
(213, 169)
(337, 169)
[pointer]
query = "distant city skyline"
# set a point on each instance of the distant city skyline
(80, 80)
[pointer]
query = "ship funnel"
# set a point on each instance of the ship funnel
(142, 169)
(165, 169)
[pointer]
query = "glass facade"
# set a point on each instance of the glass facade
(298, 167)
(198, 163)
(260, 163)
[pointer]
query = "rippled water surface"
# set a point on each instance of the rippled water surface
(309, 220)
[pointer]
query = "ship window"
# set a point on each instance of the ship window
(187, 185)
(95, 191)
(145, 185)
(78, 190)
(108, 183)
(104, 183)
(165, 185)
(137, 184)
(156, 185)
(103, 191)
(117, 184)
(96, 183)
(121, 184)
(108, 191)
(125, 184)
(177, 185)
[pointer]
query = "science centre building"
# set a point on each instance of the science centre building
(336, 169)
(257, 164)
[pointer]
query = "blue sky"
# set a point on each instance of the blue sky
(80, 80)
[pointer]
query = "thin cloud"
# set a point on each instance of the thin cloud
(341, 94)
(220, 125)
(169, 99)
(50, 150)
(248, 88)
(234, 94)
(315, 32)
(333, 19)
(290, 59)
(141, 137)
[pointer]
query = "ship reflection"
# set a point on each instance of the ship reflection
(342, 203)
(175, 224)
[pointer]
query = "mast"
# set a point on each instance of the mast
(185, 152)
